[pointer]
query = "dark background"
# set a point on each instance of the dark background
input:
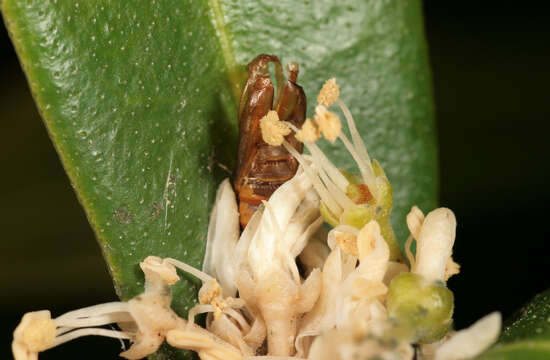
(491, 77)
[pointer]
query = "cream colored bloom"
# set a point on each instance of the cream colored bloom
(332, 303)
(144, 319)
(288, 220)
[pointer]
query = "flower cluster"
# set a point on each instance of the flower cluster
(288, 288)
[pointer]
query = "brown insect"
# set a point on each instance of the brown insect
(262, 168)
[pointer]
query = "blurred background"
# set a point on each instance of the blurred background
(491, 76)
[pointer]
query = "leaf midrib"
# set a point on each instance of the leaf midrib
(234, 73)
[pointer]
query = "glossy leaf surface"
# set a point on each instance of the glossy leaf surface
(140, 100)
(526, 335)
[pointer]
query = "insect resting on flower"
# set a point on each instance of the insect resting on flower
(261, 167)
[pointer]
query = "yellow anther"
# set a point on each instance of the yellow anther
(309, 132)
(273, 130)
(210, 292)
(329, 93)
(219, 306)
(328, 122)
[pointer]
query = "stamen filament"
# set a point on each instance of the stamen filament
(317, 184)
(93, 311)
(204, 277)
(365, 168)
(196, 310)
(339, 179)
(239, 318)
(89, 331)
(339, 194)
(334, 173)
(357, 140)
(94, 320)
(291, 126)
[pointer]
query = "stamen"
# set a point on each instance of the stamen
(309, 132)
(364, 168)
(356, 137)
(89, 331)
(92, 311)
(334, 173)
(291, 126)
(328, 122)
(239, 318)
(273, 130)
(329, 93)
(204, 277)
(196, 310)
(93, 321)
(317, 184)
(320, 162)
(323, 165)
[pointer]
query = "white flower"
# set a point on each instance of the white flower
(270, 279)
(362, 304)
(353, 295)
(145, 319)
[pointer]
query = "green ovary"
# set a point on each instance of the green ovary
(424, 309)
(361, 214)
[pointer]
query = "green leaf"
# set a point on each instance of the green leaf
(531, 350)
(531, 322)
(526, 335)
(378, 54)
(140, 100)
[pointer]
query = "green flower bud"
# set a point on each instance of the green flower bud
(426, 309)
